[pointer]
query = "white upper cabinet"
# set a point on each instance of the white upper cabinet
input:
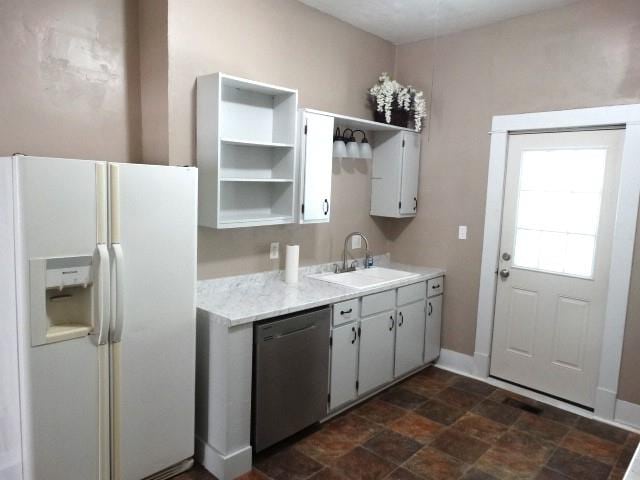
(395, 174)
(410, 172)
(246, 152)
(316, 152)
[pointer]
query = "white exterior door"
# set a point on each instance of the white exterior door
(377, 340)
(409, 337)
(153, 236)
(555, 248)
(344, 361)
(317, 157)
(410, 173)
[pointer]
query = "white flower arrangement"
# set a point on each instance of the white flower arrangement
(384, 92)
(388, 95)
(419, 110)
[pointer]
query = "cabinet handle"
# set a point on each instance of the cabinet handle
(415, 207)
(435, 287)
(401, 319)
(326, 206)
(355, 335)
(393, 322)
(342, 312)
(430, 308)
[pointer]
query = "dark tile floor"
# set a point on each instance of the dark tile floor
(439, 426)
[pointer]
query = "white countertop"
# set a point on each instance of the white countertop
(243, 299)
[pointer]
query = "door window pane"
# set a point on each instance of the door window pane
(526, 251)
(580, 254)
(558, 212)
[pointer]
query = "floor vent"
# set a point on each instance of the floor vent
(523, 406)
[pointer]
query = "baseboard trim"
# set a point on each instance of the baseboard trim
(627, 415)
(481, 362)
(605, 403)
(224, 467)
(456, 362)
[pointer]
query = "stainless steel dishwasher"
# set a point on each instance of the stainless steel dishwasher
(290, 377)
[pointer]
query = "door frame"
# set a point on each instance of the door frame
(627, 116)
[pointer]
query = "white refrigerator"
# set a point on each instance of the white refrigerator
(97, 294)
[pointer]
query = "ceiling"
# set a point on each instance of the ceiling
(403, 21)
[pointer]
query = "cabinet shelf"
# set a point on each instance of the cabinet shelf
(361, 123)
(249, 143)
(258, 180)
(246, 152)
(247, 220)
(247, 204)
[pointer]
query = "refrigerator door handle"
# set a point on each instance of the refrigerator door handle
(117, 325)
(101, 331)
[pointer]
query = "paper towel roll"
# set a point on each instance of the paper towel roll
(291, 264)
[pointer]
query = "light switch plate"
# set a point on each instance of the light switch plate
(274, 252)
(356, 242)
(462, 232)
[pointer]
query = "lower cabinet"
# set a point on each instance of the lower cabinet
(344, 365)
(383, 336)
(433, 330)
(377, 341)
(410, 337)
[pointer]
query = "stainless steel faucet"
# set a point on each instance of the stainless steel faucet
(350, 268)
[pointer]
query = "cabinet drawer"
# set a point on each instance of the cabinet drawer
(412, 293)
(378, 302)
(435, 286)
(345, 312)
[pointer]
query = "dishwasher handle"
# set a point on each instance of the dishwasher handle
(295, 332)
(300, 325)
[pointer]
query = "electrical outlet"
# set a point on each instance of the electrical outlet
(274, 252)
(462, 232)
(356, 242)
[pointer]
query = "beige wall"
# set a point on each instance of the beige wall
(285, 43)
(69, 81)
(584, 55)
(154, 81)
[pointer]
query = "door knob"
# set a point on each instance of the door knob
(504, 273)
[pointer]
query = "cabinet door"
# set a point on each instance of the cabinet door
(344, 359)
(376, 351)
(385, 174)
(410, 173)
(410, 337)
(434, 326)
(316, 157)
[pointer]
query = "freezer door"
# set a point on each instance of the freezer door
(153, 241)
(61, 401)
(10, 434)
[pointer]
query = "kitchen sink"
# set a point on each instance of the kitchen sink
(365, 278)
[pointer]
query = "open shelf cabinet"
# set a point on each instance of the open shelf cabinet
(246, 134)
